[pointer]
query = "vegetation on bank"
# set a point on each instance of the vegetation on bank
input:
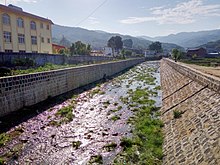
(202, 61)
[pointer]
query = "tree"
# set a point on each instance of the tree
(80, 48)
(156, 46)
(176, 54)
(115, 43)
(72, 49)
(128, 43)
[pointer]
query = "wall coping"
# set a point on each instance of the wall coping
(204, 79)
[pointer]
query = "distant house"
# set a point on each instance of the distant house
(56, 48)
(96, 53)
(109, 52)
(199, 52)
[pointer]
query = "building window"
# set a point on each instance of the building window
(33, 25)
(48, 40)
(48, 27)
(22, 51)
(6, 19)
(20, 22)
(42, 39)
(34, 51)
(21, 39)
(34, 40)
(41, 25)
(7, 37)
(8, 51)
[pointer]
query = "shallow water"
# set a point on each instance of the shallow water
(92, 125)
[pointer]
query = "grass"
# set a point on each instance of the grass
(119, 108)
(111, 146)
(145, 146)
(66, 112)
(2, 161)
(115, 118)
(202, 61)
(76, 144)
(177, 114)
(157, 87)
(46, 67)
(12, 153)
(4, 138)
(96, 159)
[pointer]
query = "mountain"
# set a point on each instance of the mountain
(212, 47)
(98, 39)
(190, 39)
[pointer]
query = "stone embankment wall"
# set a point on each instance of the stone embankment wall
(193, 138)
(25, 90)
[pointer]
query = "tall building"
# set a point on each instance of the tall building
(24, 32)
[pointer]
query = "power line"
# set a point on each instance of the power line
(92, 13)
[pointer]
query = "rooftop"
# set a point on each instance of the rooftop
(18, 10)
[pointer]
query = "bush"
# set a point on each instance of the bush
(177, 114)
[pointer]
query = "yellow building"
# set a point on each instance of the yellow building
(24, 32)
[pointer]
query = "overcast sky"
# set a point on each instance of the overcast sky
(133, 17)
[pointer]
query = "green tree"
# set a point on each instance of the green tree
(176, 54)
(80, 48)
(115, 43)
(128, 43)
(156, 46)
(62, 51)
(72, 49)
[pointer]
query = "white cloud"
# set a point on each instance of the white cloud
(16, 1)
(93, 20)
(182, 13)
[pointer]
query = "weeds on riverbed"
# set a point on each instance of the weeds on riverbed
(114, 118)
(111, 146)
(66, 112)
(96, 159)
(4, 138)
(76, 144)
(145, 146)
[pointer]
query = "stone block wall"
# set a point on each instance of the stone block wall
(25, 90)
(193, 137)
(204, 79)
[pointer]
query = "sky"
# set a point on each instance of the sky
(131, 17)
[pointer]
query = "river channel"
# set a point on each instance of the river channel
(99, 118)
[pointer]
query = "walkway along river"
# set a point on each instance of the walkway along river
(115, 122)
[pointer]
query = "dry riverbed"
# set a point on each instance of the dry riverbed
(98, 126)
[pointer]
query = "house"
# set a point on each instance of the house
(199, 52)
(24, 32)
(109, 52)
(96, 53)
(56, 48)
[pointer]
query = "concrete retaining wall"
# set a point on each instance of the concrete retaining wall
(204, 79)
(25, 90)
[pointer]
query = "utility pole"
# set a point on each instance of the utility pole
(5, 2)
